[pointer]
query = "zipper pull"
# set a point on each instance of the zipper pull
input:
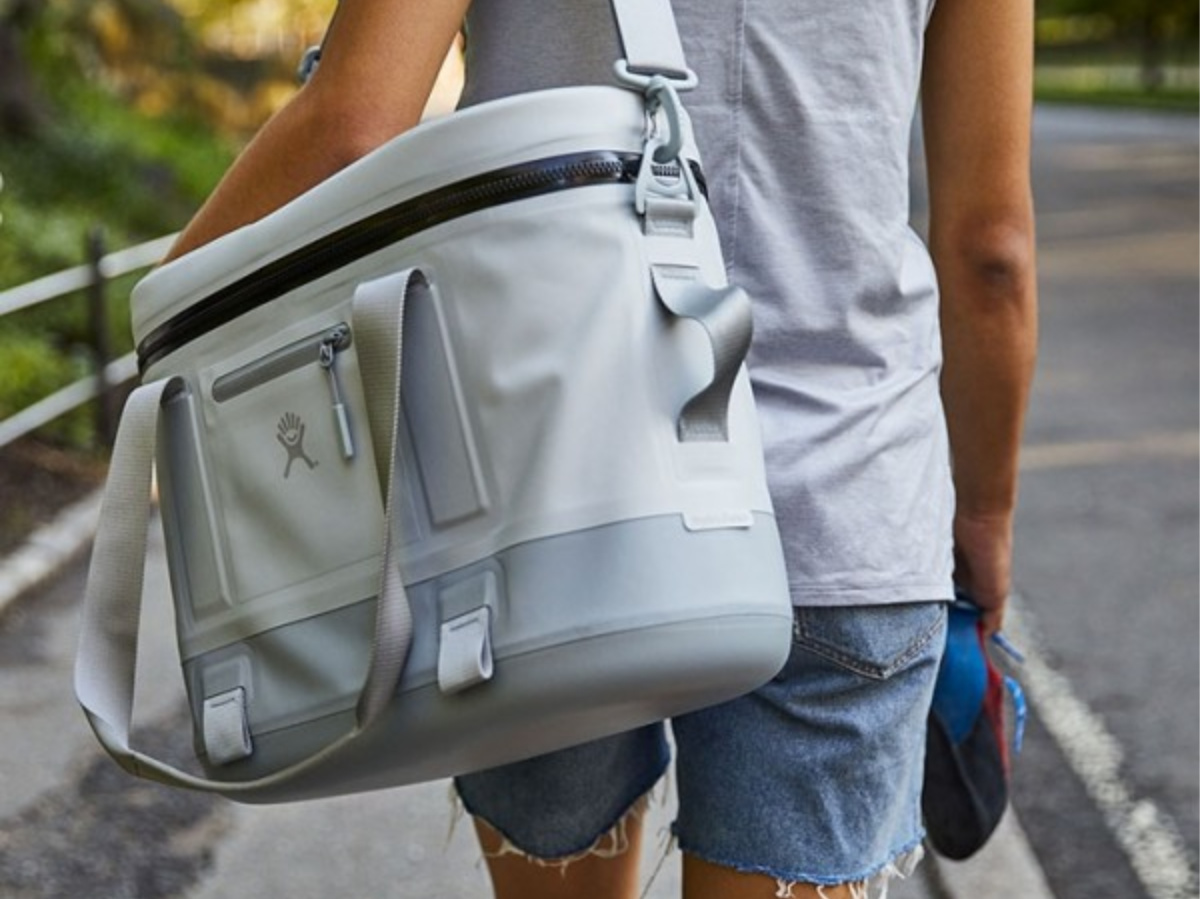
(327, 358)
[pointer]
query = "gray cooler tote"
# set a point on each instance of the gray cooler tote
(458, 459)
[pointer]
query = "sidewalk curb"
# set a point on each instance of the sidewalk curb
(1006, 866)
(48, 549)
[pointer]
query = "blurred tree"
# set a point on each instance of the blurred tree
(226, 62)
(43, 40)
(1151, 24)
(22, 106)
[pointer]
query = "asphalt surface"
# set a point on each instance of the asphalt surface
(1106, 554)
(1106, 542)
(1106, 788)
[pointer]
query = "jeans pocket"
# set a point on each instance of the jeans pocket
(874, 641)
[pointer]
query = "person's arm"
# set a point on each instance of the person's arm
(378, 65)
(976, 109)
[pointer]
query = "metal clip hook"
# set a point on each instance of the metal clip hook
(661, 94)
(664, 144)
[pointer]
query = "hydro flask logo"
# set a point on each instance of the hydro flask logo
(291, 437)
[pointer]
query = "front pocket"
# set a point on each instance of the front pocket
(321, 349)
(292, 467)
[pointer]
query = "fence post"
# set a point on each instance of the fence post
(101, 344)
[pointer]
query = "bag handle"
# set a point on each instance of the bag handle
(106, 662)
(724, 314)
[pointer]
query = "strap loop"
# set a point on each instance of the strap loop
(465, 651)
(225, 727)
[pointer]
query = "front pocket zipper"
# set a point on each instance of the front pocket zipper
(320, 349)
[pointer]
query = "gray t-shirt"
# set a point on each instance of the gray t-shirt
(803, 116)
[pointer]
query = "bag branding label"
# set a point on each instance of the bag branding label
(718, 519)
(290, 434)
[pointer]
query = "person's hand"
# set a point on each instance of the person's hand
(983, 563)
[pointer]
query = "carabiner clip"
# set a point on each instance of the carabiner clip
(661, 94)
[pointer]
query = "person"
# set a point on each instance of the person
(891, 392)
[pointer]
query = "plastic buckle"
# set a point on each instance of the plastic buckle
(308, 64)
(640, 82)
(650, 183)
(664, 147)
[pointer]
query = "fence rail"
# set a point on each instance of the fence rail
(108, 373)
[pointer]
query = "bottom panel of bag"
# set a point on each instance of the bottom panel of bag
(549, 643)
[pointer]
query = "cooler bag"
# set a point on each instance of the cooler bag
(457, 457)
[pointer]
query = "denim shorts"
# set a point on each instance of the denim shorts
(813, 778)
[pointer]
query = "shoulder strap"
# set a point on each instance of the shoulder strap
(650, 39)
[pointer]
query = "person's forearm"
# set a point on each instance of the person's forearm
(378, 65)
(989, 334)
(976, 109)
(295, 150)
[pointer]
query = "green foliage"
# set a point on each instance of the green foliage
(95, 162)
(1154, 39)
(67, 39)
(1181, 100)
(1177, 17)
(133, 110)
(98, 164)
(33, 369)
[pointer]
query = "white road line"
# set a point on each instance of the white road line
(48, 549)
(1148, 836)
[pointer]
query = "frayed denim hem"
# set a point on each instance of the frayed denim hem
(873, 884)
(611, 842)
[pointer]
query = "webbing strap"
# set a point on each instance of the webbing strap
(650, 38)
(378, 321)
(655, 62)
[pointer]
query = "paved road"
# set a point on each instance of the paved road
(1107, 566)
(1106, 555)
(1107, 531)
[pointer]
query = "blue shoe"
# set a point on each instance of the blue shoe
(967, 760)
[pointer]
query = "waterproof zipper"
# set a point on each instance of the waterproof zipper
(320, 349)
(355, 241)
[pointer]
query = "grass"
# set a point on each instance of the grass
(1109, 74)
(1182, 100)
(1112, 54)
